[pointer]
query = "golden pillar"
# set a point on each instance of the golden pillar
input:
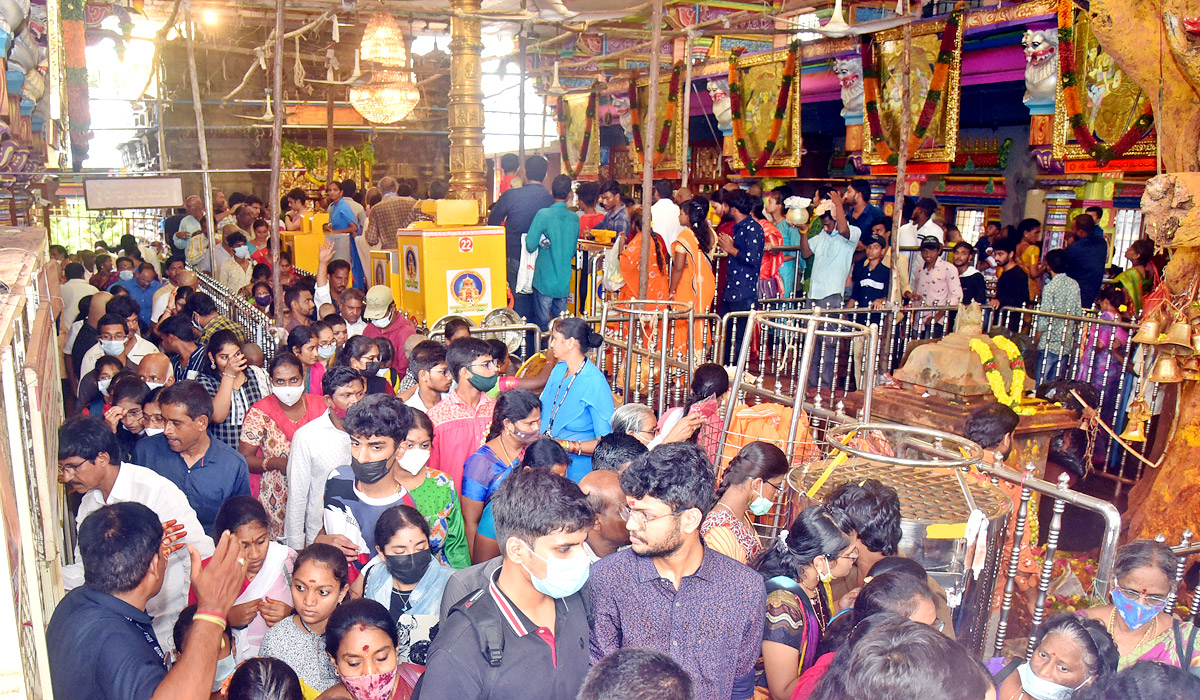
(468, 176)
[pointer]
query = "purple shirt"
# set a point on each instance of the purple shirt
(712, 625)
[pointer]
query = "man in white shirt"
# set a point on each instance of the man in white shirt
(118, 333)
(917, 230)
(354, 302)
(166, 294)
(85, 450)
(427, 362)
(74, 289)
(317, 449)
(664, 213)
(191, 234)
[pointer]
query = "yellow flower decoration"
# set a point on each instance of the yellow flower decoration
(1010, 397)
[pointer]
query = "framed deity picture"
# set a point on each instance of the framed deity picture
(941, 140)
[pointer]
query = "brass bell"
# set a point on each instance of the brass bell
(1191, 369)
(1135, 431)
(1177, 340)
(1148, 332)
(1139, 410)
(1166, 371)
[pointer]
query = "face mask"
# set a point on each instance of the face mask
(125, 275)
(112, 348)
(408, 568)
(525, 438)
(760, 505)
(180, 242)
(369, 472)
(380, 686)
(484, 384)
(414, 460)
(339, 412)
(371, 368)
(263, 300)
(225, 669)
(151, 432)
(1134, 613)
(325, 352)
(102, 385)
(382, 322)
(1041, 689)
(288, 395)
(154, 385)
(563, 576)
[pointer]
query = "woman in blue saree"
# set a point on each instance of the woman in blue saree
(577, 404)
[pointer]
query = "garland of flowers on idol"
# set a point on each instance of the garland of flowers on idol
(1009, 396)
(933, 97)
(753, 165)
(1102, 152)
(573, 170)
(664, 133)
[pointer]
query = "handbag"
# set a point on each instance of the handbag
(525, 269)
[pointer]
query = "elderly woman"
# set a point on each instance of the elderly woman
(1071, 653)
(1138, 620)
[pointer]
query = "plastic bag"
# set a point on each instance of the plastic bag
(525, 270)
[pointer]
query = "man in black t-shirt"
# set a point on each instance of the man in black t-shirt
(871, 281)
(974, 287)
(1012, 286)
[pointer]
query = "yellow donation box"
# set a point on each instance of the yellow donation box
(452, 270)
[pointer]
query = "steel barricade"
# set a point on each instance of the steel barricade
(647, 348)
(259, 328)
(511, 334)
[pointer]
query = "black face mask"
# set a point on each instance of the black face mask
(408, 568)
(370, 472)
(371, 368)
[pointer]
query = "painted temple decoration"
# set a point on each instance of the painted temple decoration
(849, 75)
(718, 90)
(1041, 69)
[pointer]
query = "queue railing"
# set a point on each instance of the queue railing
(258, 326)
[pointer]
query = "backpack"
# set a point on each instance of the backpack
(480, 608)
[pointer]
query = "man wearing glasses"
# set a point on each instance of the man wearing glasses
(88, 465)
(462, 419)
(668, 592)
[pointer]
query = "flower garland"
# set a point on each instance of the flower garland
(573, 170)
(635, 113)
(781, 105)
(1100, 151)
(1010, 397)
(933, 97)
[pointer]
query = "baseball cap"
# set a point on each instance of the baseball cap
(930, 243)
(379, 298)
(869, 239)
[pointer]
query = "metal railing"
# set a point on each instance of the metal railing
(258, 326)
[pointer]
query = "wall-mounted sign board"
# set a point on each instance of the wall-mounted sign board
(133, 192)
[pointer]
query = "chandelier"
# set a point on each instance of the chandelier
(392, 94)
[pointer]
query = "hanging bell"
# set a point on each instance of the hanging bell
(1139, 410)
(1135, 431)
(1148, 332)
(1191, 369)
(1177, 340)
(1166, 371)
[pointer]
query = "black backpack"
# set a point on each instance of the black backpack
(488, 624)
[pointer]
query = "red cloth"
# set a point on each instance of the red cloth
(262, 255)
(810, 678)
(506, 182)
(397, 332)
(587, 222)
(771, 262)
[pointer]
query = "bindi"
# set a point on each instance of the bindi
(365, 647)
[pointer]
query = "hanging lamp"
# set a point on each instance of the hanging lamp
(391, 94)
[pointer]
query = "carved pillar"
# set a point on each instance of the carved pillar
(468, 177)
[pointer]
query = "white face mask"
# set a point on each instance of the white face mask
(414, 460)
(151, 432)
(102, 385)
(1041, 689)
(288, 395)
(154, 385)
(382, 322)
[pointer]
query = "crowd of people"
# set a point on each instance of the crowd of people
(376, 515)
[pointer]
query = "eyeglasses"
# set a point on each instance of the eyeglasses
(134, 413)
(72, 468)
(629, 515)
(1149, 599)
(490, 364)
(852, 556)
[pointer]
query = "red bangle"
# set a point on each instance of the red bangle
(213, 613)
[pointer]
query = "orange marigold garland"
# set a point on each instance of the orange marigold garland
(664, 134)
(1102, 152)
(933, 97)
(781, 104)
(573, 170)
